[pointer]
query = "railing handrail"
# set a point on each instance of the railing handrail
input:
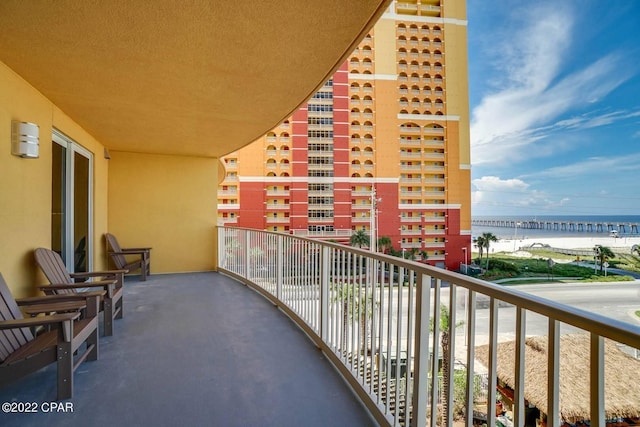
(602, 325)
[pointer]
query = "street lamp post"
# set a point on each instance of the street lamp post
(372, 226)
(515, 236)
(466, 266)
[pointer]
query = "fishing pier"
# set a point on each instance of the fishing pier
(560, 225)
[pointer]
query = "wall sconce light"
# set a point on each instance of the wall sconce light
(107, 155)
(25, 139)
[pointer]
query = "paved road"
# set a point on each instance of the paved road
(610, 270)
(611, 299)
(616, 300)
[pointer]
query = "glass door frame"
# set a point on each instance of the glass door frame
(71, 148)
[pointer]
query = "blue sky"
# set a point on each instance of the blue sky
(555, 107)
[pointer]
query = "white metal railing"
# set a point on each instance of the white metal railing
(372, 315)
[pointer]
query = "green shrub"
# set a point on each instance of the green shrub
(504, 266)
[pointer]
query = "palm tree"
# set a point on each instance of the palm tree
(488, 238)
(603, 253)
(479, 242)
(360, 238)
(384, 243)
(446, 348)
(355, 305)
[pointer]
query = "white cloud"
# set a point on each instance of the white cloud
(491, 193)
(508, 121)
(593, 166)
(607, 119)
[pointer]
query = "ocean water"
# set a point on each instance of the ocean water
(522, 233)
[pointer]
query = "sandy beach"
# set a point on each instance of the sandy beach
(617, 244)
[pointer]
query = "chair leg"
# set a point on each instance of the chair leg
(120, 309)
(65, 371)
(108, 317)
(143, 269)
(93, 340)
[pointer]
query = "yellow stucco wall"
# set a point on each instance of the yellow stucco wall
(167, 203)
(25, 187)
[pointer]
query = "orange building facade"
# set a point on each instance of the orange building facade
(383, 147)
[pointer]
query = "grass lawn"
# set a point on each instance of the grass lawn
(539, 268)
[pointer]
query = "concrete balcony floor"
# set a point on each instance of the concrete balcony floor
(197, 349)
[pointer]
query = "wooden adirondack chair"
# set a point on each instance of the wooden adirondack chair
(22, 353)
(118, 256)
(62, 282)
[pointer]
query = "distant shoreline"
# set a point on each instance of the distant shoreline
(619, 244)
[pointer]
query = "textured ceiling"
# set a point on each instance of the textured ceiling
(188, 77)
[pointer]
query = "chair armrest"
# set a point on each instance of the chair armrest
(130, 252)
(38, 321)
(83, 296)
(98, 273)
(96, 284)
(135, 249)
(57, 307)
(107, 285)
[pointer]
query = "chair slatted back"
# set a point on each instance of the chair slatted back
(53, 268)
(10, 339)
(118, 259)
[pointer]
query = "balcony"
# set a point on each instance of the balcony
(271, 192)
(228, 206)
(410, 154)
(228, 220)
(360, 220)
(277, 220)
(405, 141)
(323, 233)
(410, 167)
(221, 355)
(416, 232)
(277, 206)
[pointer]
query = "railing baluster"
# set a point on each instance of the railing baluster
(380, 337)
(493, 350)
(471, 341)
(388, 346)
(352, 308)
(519, 367)
(435, 351)
(553, 374)
(410, 341)
(421, 374)
(452, 350)
(368, 312)
(398, 353)
(324, 294)
(280, 267)
(596, 380)
(247, 251)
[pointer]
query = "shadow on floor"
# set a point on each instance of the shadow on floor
(197, 349)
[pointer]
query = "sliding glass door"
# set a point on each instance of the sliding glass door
(71, 207)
